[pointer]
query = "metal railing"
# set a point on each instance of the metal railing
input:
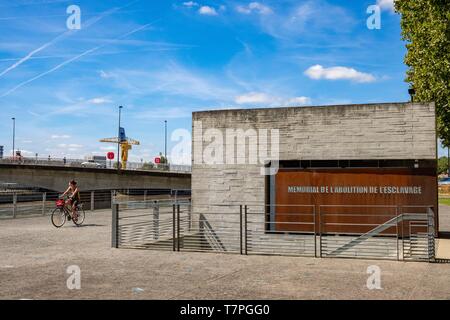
(375, 232)
(23, 203)
(292, 232)
(391, 232)
(79, 163)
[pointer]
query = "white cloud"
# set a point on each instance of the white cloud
(207, 10)
(306, 19)
(190, 4)
(261, 98)
(99, 101)
(386, 4)
(108, 148)
(164, 113)
(253, 97)
(174, 80)
(254, 7)
(64, 136)
(70, 146)
(318, 72)
(106, 75)
(299, 101)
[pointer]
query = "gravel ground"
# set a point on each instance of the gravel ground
(35, 257)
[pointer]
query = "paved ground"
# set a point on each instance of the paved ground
(35, 256)
(444, 218)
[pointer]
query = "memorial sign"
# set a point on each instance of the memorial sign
(356, 197)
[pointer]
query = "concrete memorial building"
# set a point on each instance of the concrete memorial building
(348, 170)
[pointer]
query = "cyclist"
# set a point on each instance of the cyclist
(74, 198)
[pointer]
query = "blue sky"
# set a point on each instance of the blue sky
(164, 59)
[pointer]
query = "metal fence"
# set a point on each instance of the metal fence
(21, 204)
(79, 163)
(17, 204)
(391, 232)
(395, 233)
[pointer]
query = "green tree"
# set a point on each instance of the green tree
(442, 165)
(163, 159)
(426, 29)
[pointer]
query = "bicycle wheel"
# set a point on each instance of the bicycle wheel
(58, 217)
(81, 215)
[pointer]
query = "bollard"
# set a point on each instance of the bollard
(112, 199)
(44, 199)
(156, 220)
(174, 248)
(246, 228)
(115, 226)
(178, 227)
(92, 200)
(14, 204)
(189, 216)
(241, 229)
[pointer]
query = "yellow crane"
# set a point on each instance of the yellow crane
(125, 145)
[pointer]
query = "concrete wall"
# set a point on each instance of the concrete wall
(57, 178)
(376, 131)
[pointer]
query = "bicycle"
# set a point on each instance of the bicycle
(62, 213)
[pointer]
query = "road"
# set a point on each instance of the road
(35, 257)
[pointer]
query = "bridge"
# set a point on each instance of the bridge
(56, 178)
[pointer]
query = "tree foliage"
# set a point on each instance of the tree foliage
(426, 29)
(442, 165)
(163, 159)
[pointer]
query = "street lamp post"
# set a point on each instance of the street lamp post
(118, 141)
(165, 140)
(14, 137)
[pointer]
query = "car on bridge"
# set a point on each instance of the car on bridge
(444, 182)
(92, 164)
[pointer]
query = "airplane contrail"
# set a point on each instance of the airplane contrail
(89, 23)
(70, 60)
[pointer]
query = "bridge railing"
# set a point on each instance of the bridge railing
(79, 163)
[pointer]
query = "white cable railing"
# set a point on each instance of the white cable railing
(112, 165)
